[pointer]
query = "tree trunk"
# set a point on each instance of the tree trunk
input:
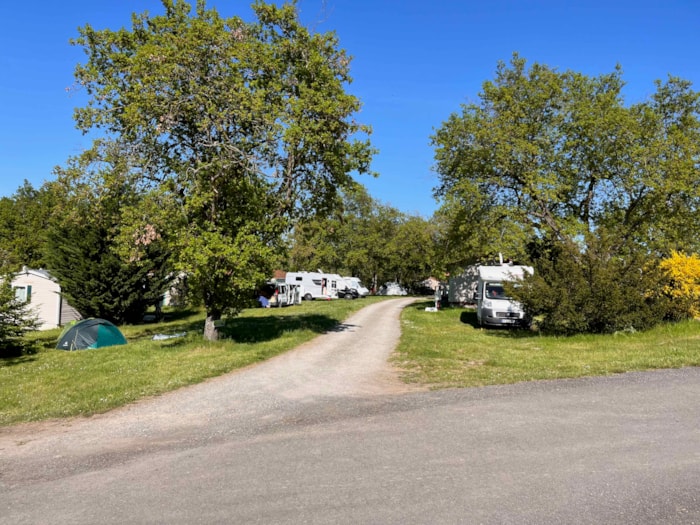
(211, 330)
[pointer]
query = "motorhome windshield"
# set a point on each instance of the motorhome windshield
(495, 291)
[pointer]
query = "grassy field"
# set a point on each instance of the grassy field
(447, 349)
(442, 349)
(55, 383)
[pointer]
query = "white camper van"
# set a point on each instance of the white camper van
(354, 283)
(493, 306)
(316, 285)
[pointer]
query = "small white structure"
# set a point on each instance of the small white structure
(43, 293)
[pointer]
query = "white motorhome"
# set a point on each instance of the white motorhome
(316, 285)
(493, 306)
(354, 283)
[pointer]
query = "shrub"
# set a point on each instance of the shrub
(682, 287)
(593, 287)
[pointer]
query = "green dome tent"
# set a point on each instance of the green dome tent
(90, 333)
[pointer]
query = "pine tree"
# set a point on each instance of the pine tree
(15, 318)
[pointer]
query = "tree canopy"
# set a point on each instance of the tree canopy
(231, 130)
(559, 153)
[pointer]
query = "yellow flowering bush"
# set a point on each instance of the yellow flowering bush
(683, 283)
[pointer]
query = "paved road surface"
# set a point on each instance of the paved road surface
(327, 434)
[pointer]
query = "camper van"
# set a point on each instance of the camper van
(354, 283)
(283, 294)
(316, 285)
(493, 306)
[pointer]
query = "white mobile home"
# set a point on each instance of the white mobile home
(43, 294)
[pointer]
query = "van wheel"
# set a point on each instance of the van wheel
(308, 297)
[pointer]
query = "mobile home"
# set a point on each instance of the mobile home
(43, 293)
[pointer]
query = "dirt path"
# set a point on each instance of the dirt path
(348, 362)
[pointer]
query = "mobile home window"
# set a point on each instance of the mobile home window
(23, 293)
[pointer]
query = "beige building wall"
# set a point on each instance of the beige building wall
(45, 298)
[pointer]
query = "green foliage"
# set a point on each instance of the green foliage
(233, 130)
(83, 249)
(558, 156)
(595, 290)
(366, 239)
(24, 220)
(16, 318)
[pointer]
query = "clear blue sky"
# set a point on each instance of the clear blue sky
(414, 63)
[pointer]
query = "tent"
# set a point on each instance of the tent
(90, 333)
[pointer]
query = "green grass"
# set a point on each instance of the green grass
(442, 350)
(55, 383)
(447, 349)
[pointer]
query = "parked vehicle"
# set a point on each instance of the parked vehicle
(348, 293)
(391, 289)
(354, 283)
(493, 306)
(316, 285)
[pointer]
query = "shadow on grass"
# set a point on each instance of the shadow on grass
(11, 355)
(258, 329)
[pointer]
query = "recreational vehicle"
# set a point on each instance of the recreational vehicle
(493, 306)
(316, 285)
(354, 283)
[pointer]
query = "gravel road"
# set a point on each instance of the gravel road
(350, 361)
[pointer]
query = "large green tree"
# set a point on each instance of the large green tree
(232, 129)
(558, 157)
(559, 154)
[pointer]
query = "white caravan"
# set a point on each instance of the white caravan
(316, 285)
(493, 306)
(354, 283)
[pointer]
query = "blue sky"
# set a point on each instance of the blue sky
(414, 63)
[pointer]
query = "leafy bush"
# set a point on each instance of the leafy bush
(593, 287)
(683, 284)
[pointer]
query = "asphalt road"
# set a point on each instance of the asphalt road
(327, 434)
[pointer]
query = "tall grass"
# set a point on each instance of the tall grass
(55, 383)
(448, 349)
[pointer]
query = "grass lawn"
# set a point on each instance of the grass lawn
(442, 349)
(447, 349)
(55, 383)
